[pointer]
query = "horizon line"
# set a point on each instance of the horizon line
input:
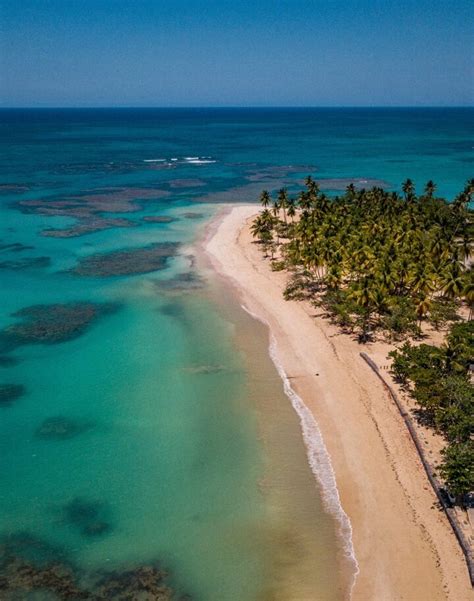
(253, 107)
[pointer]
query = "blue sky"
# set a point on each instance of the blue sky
(239, 53)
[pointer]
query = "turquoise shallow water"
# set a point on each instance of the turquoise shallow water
(171, 394)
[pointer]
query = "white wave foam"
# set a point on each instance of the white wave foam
(318, 456)
(154, 160)
(200, 161)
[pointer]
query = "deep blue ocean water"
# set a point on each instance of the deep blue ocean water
(138, 435)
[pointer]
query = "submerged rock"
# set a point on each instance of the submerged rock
(61, 428)
(9, 393)
(127, 262)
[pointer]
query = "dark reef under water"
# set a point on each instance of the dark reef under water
(127, 262)
(32, 568)
(9, 393)
(61, 428)
(51, 324)
(90, 517)
(26, 263)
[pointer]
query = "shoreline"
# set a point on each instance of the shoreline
(404, 548)
(318, 459)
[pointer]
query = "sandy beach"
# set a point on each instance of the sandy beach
(403, 544)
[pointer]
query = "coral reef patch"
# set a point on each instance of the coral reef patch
(88, 226)
(51, 324)
(88, 209)
(33, 569)
(131, 261)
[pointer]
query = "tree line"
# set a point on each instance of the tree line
(390, 262)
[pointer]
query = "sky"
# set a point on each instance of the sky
(76, 53)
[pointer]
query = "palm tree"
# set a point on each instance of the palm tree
(364, 297)
(430, 188)
(265, 199)
(422, 308)
(383, 250)
(468, 294)
(283, 201)
(291, 209)
(408, 188)
(453, 282)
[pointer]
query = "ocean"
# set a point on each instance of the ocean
(142, 421)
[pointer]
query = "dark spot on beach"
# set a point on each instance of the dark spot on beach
(9, 393)
(61, 428)
(127, 262)
(26, 263)
(191, 215)
(158, 219)
(51, 324)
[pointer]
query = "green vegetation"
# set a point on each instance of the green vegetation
(438, 378)
(374, 260)
(387, 262)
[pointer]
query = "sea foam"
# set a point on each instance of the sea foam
(318, 456)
